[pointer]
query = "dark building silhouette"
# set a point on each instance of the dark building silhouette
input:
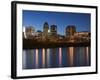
(53, 30)
(45, 30)
(39, 31)
(29, 32)
(70, 30)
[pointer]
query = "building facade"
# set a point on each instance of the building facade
(53, 30)
(29, 31)
(82, 36)
(45, 31)
(70, 30)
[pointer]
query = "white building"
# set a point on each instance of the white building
(24, 32)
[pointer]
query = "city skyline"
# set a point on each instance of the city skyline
(61, 19)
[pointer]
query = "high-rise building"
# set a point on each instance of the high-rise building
(29, 31)
(53, 30)
(45, 29)
(70, 30)
(83, 36)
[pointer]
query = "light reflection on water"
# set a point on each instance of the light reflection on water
(71, 55)
(56, 57)
(60, 57)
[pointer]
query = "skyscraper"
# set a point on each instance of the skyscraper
(53, 30)
(45, 29)
(29, 31)
(70, 30)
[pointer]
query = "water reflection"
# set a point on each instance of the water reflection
(87, 55)
(36, 58)
(43, 58)
(56, 57)
(60, 57)
(48, 57)
(71, 55)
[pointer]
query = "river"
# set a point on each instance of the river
(56, 57)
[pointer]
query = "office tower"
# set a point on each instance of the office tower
(70, 30)
(45, 29)
(53, 30)
(29, 31)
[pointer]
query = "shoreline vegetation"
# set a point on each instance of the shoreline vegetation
(32, 44)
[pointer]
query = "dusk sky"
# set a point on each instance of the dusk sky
(61, 19)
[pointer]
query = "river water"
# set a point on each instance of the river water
(56, 57)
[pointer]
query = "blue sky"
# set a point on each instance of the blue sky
(61, 19)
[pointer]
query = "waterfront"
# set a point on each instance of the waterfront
(56, 57)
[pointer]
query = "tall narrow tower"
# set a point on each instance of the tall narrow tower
(45, 29)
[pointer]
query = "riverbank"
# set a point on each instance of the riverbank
(30, 44)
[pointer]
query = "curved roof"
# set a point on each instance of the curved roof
(46, 25)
